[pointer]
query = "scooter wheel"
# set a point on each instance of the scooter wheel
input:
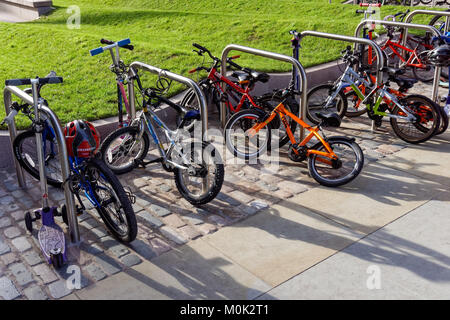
(57, 260)
(28, 222)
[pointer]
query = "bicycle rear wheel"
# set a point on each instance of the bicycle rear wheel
(348, 166)
(428, 119)
(115, 207)
(444, 121)
(426, 73)
(25, 151)
(123, 147)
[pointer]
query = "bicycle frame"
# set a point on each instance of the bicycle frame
(346, 80)
(283, 113)
(146, 118)
(216, 78)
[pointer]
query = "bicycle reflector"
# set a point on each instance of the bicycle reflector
(82, 139)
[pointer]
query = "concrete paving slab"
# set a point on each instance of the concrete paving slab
(376, 197)
(408, 259)
(196, 271)
(428, 160)
(279, 242)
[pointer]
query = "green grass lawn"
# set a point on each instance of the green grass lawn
(162, 32)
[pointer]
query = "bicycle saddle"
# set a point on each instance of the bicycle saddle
(329, 119)
(251, 75)
(404, 83)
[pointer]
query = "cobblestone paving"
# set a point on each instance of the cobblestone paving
(165, 220)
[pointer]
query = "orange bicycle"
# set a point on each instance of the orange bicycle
(332, 161)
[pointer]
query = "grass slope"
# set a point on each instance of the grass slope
(162, 32)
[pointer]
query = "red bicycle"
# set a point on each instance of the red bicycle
(235, 94)
(414, 55)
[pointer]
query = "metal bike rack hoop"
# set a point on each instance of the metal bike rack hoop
(176, 77)
(274, 56)
(408, 19)
(407, 26)
(64, 159)
(380, 58)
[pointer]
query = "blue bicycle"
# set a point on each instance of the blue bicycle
(89, 175)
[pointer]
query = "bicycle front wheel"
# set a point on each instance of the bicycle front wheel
(238, 140)
(123, 147)
(25, 151)
(115, 207)
(348, 166)
(426, 124)
(203, 180)
(317, 100)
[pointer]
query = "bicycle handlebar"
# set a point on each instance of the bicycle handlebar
(366, 11)
(370, 5)
(125, 43)
(51, 78)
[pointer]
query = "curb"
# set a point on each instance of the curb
(315, 75)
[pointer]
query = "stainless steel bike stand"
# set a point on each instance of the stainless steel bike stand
(355, 40)
(173, 76)
(407, 26)
(271, 55)
(437, 72)
(64, 159)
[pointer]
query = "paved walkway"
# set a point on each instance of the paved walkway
(261, 234)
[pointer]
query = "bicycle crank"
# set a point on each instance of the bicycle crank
(297, 153)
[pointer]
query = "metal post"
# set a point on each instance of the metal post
(64, 159)
(173, 76)
(271, 55)
(380, 58)
(13, 133)
(437, 73)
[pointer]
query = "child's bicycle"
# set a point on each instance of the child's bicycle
(333, 161)
(89, 175)
(414, 118)
(197, 166)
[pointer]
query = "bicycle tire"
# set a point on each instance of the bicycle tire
(354, 169)
(291, 105)
(106, 148)
(24, 159)
(123, 199)
(423, 134)
(189, 101)
(248, 118)
(217, 181)
(428, 71)
(444, 121)
(341, 103)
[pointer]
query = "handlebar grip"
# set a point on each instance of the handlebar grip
(199, 47)
(95, 52)
(50, 80)
(360, 11)
(105, 41)
(125, 43)
(17, 82)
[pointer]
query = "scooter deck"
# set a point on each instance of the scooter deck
(51, 238)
